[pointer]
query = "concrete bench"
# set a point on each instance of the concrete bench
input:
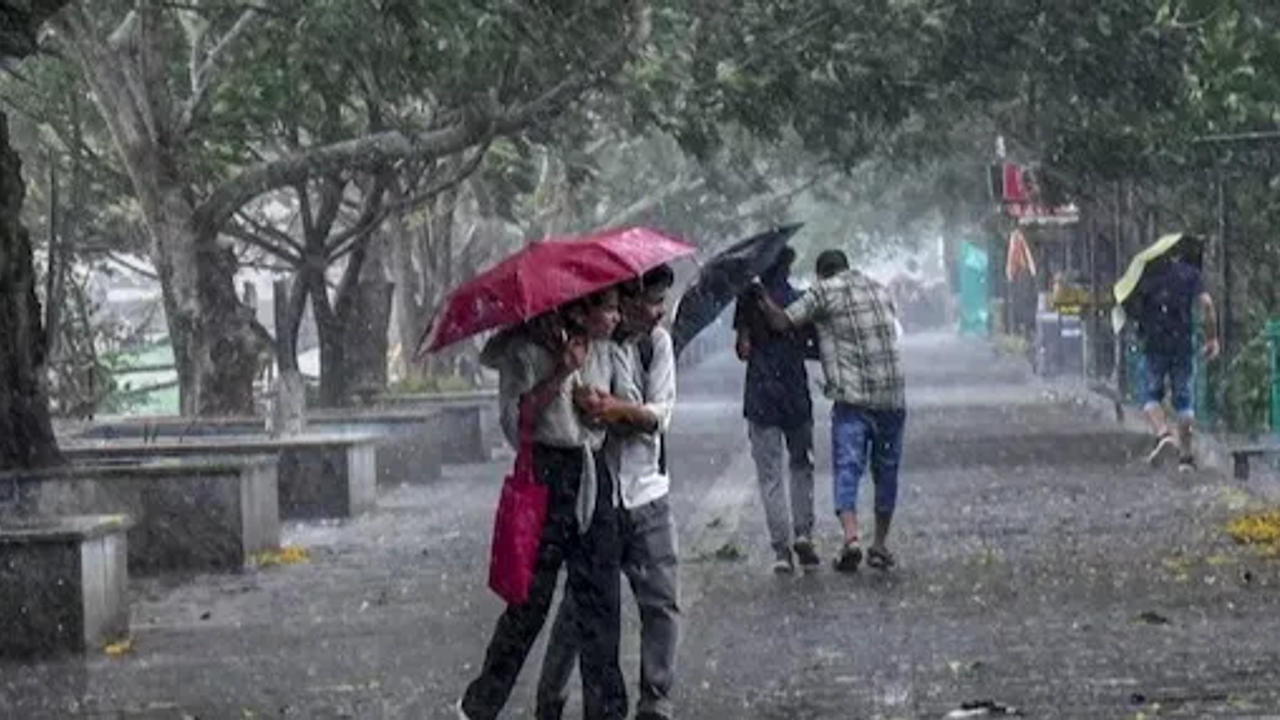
(415, 437)
(330, 475)
(468, 427)
(447, 434)
(210, 515)
(1242, 454)
(63, 584)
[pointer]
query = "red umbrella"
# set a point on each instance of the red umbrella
(545, 275)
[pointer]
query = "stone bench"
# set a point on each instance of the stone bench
(415, 436)
(448, 434)
(1242, 454)
(330, 475)
(211, 515)
(467, 427)
(63, 584)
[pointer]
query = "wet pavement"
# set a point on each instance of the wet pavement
(1042, 566)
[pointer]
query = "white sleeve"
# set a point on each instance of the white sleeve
(660, 385)
(515, 378)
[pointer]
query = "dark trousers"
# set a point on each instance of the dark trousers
(650, 562)
(593, 563)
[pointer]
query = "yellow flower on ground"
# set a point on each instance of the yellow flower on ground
(288, 555)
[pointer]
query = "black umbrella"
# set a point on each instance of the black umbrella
(723, 278)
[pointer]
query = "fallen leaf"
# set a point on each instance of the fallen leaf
(288, 555)
(119, 648)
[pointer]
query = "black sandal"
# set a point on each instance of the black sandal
(849, 559)
(880, 559)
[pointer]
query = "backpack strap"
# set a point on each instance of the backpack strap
(645, 346)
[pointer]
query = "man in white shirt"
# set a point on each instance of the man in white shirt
(636, 454)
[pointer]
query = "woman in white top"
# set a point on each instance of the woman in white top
(548, 368)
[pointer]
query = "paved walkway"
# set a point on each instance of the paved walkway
(1042, 566)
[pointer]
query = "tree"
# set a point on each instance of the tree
(26, 433)
(159, 78)
(80, 212)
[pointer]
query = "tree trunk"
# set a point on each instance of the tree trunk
(26, 433)
(329, 327)
(353, 332)
(365, 321)
(215, 347)
(406, 310)
(215, 344)
(369, 319)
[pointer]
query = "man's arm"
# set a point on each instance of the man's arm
(774, 315)
(1209, 316)
(743, 344)
(660, 381)
(652, 413)
(624, 406)
(802, 311)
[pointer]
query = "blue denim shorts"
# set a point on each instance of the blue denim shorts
(1177, 368)
(861, 437)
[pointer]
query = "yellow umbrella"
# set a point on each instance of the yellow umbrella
(1129, 281)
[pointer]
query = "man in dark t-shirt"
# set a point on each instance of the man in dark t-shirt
(779, 410)
(1164, 305)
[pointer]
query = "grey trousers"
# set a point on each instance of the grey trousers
(650, 562)
(782, 516)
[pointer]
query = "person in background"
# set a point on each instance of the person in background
(779, 410)
(858, 344)
(550, 368)
(636, 453)
(1170, 289)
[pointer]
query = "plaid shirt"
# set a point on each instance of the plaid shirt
(856, 339)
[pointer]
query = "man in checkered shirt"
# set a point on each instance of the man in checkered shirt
(858, 343)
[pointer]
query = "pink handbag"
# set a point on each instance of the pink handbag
(518, 525)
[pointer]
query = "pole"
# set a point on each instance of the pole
(1095, 296)
(1226, 332)
(1273, 376)
(1122, 370)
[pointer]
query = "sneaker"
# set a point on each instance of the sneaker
(1187, 464)
(806, 553)
(1165, 447)
(782, 564)
(849, 558)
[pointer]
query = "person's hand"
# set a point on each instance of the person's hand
(1212, 349)
(598, 405)
(583, 396)
(757, 292)
(574, 354)
(743, 347)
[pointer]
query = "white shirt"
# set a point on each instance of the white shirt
(523, 364)
(634, 457)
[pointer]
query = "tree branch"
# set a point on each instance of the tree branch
(304, 208)
(371, 216)
(202, 77)
(249, 238)
(331, 193)
(275, 233)
(372, 151)
(679, 186)
(130, 266)
(105, 74)
(343, 244)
